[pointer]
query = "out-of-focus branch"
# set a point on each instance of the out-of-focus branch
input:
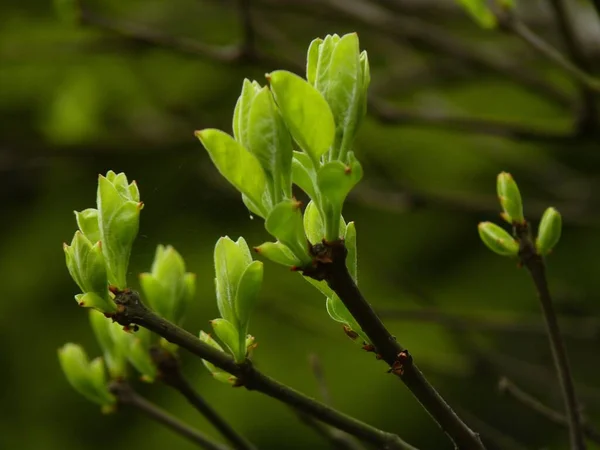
(491, 435)
(587, 120)
(508, 387)
(388, 114)
(128, 397)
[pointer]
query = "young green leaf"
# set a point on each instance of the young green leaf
(241, 112)
(305, 112)
(240, 167)
(335, 181)
(87, 221)
(228, 334)
(312, 60)
(118, 219)
(285, 223)
(549, 231)
(269, 139)
(247, 295)
(350, 243)
(313, 223)
(114, 355)
(278, 253)
(510, 198)
(497, 239)
(217, 373)
(304, 174)
(480, 11)
(87, 378)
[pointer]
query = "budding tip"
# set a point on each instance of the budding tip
(198, 134)
(140, 206)
(82, 303)
(256, 249)
(347, 170)
(268, 77)
(297, 203)
(294, 268)
(114, 289)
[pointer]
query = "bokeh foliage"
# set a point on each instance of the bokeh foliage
(77, 101)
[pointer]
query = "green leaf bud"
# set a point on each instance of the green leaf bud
(304, 174)
(87, 221)
(168, 288)
(549, 231)
(114, 355)
(136, 347)
(498, 240)
(278, 253)
(86, 264)
(230, 337)
(285, 223)
(217, 373)
(337, 70)
(335, 181)
(510, 199)
(238, 166)
(119, 209)
(305, 112)
(351, 258)
(87, 378)
(313, 223)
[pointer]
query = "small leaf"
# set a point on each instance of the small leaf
(87, 221)
(229, 336)
(242, 110)
(480, 11)
(270, 141)
(285, 223)
(313, 223)
(278, 253)
(498, 240)
(304, 174)
(549, 231)
(217, 373)
(247, 294)
(305, 111)
(335, 181)
(510, 198)
(240, 167)
(350, 243)
(312, 59)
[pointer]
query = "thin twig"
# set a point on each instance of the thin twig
(536, 267)
(338, 439)
(170, 373)
(127, 396)
(588, 114)
(249, 42)
(389, 114)
(329, 264)
(131, 310)
(512, 24)
(508, 387)
(495, 437)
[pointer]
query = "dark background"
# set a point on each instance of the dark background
(76, 101)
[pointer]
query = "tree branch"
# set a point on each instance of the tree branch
(329, 264)
(170, 373)
(132, 311)
(588, 114)
(508, 387)
(535, 265)
(127, 396)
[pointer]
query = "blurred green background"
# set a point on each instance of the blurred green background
(78, 100)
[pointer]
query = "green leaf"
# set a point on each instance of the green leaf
(247, 294)
(269, 139)
(285, 223)
(498, 240)
(549, 231)
(335, 181)
(240, 167)
(304, 174)
(87, 378)
(313, 223)
(278, 253)
(138, 353)
(228, 334)
(217, 373)
(510, 198)
(241, 112)
(351, 258)
(114, 355)
(167, 288)
(343, 90)
(305, 111)
(312, 59)
(87, 221)
(231, 259)
(480, 11)
(118, 219)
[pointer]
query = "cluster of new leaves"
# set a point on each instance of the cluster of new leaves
(297, 131)
(503, 243)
